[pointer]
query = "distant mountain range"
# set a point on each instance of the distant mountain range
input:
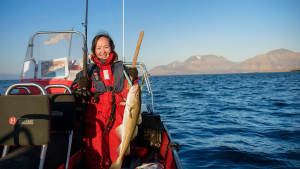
(279, 60)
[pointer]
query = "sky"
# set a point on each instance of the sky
(173, 29)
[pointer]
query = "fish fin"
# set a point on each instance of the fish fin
(120, 134)
(119, 131)
(130, 114)
(128, 150)
(135, 132)
(139, 121)
(119, 149)
(116, 164)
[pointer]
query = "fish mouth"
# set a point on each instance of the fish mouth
(135, 88)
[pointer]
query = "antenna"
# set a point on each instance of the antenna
(123, 33)
(85, 41)
(83, 81)
(86, 18)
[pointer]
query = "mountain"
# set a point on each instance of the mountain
(273, 61)
(206, 64)
(276, 60)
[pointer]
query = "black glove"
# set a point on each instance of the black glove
(133, 73)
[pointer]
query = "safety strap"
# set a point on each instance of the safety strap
(112, 116)
(97, 94)
(128, 79)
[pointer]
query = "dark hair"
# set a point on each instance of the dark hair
(100, 35)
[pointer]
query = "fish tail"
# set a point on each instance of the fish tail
(116, 164)
(128, 151)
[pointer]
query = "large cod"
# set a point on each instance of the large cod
(128, 129)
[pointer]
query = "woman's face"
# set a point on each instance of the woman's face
(103, 48)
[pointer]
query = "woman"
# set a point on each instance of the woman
(105, 109)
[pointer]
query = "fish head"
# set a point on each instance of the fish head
(134, 96)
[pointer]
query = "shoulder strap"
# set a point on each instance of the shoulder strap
(117, 69)
(94, 73)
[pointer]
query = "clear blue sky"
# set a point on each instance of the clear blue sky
(174, 29)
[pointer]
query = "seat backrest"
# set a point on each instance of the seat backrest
(24, 120)
(62, 113)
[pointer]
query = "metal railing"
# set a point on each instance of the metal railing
(142, 66)
(25, 86)
(59, 86)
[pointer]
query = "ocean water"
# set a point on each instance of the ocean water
(4, 84)
(230, 120)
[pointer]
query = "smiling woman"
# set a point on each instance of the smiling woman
(102, 46)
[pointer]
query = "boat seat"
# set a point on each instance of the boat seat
(24, 121)
(63, 116)
(63, 119)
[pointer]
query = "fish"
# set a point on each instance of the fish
(150, 166)
(128, 129)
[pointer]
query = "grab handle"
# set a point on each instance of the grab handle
(22, 85)
(59, 86)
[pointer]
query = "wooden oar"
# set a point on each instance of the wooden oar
(135, 57)
(137, 50)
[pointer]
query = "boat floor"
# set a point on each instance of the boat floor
(28, 157)
(130, 161)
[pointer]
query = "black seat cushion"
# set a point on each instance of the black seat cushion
(62, 113)
(24, 120)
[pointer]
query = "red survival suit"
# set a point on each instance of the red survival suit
(101, 140)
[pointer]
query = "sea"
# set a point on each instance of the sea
(230, 120)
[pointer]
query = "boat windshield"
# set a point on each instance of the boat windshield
(54, 55)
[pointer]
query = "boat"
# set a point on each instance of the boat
(41, 119)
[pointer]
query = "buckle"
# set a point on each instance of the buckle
(109, 88)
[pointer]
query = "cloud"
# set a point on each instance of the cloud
(56, 38)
